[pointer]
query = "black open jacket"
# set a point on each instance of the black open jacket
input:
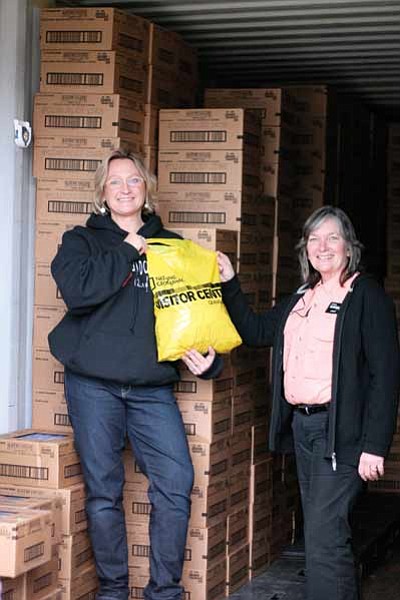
(365, 376)
(108, 331)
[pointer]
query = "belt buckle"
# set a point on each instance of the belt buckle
(307, 410)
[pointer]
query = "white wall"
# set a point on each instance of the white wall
(18, 78)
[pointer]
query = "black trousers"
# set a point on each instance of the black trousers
(327, 498)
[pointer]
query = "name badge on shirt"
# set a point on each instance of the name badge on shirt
(333, 308)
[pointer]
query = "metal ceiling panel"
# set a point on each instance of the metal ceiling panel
(352, 45)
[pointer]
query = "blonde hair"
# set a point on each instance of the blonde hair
(99, 203)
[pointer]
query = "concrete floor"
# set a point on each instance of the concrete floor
(377, 544)
(284, 580)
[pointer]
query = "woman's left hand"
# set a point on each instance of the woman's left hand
(196, 362)
(370, 467)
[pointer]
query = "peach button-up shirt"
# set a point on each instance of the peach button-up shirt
(308, 343)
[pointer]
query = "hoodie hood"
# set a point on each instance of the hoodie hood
(151, 228)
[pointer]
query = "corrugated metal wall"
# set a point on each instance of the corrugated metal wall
(353, 45)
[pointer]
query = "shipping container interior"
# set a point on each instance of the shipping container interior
(252, 113)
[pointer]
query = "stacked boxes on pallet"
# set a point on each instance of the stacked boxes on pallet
(209, 191)
(390, 482)
(42, 497)
(93, 88)
(173, 83)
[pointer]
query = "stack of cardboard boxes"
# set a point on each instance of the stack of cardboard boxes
(45, 551)
(173, 83)
(390, 482)
(297, 123)
(209, 191)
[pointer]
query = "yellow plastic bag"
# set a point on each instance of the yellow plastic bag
(188, 306)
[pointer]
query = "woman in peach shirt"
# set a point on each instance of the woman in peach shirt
(335, 387)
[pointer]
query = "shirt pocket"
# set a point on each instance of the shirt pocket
(319, 352)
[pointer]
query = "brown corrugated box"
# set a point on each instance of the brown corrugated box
(191, 387)
(41, 583)
(13, 588)
(94, 29)
(25, 540)
(51, 504)
(208, 583)
(39, 458)
(85, 584)
(48, 373)
(207, 170)
(75, 555)
(237, 569)
(73, 515)
(205, 547)
(93, 115)
(206, 421)
(222, 209)
(56, 204)
(213, 128)
(79, 156)
(91, 72)
(49, 410)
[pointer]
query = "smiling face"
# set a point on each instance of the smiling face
(327, 250)
(124, 190)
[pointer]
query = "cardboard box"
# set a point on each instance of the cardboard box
(271, 103)
(224, 209)
(209, 503)
(207, 583)
(47, 296)
(54, 204)
(237, 569)
(207, 170)
(39, 458)
(170, 91)
(58, 155)
(42, 582)
(137, 505)
(191, 387)
(93, 115)
(239, 489)
(75, 555)
(91, 72)
(94, 29)
(205, 547)
(164, 50)
(50, 504)
(47, 372)
(261, 482)
(73, 514)
(237, 532)
(210, 461)
(240, 451)
(84, 585)
(150, 125)
(206, 421)
(13, 588)
(138, 545)
(212, 239)
(25, 540)
(218, 128)
(49, 410)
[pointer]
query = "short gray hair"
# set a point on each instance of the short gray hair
(100, 177)
(354, 247)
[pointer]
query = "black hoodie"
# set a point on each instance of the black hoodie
(108, 331)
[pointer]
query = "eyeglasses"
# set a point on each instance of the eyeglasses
(115, 183)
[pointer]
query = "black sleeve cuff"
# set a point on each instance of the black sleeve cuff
(214, 369)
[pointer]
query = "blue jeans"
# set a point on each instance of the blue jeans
(327, 498)
(102, 413)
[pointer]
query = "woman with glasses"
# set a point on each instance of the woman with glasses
(114, 386)
(335, 387)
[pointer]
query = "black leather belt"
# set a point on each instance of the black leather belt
(310, 409)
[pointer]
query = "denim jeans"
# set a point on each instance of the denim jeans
(102, 414)
(327, 498)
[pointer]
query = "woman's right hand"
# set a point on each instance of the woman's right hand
(226, 270)
(137, 241)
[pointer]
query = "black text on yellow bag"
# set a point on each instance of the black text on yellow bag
(188, 305)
